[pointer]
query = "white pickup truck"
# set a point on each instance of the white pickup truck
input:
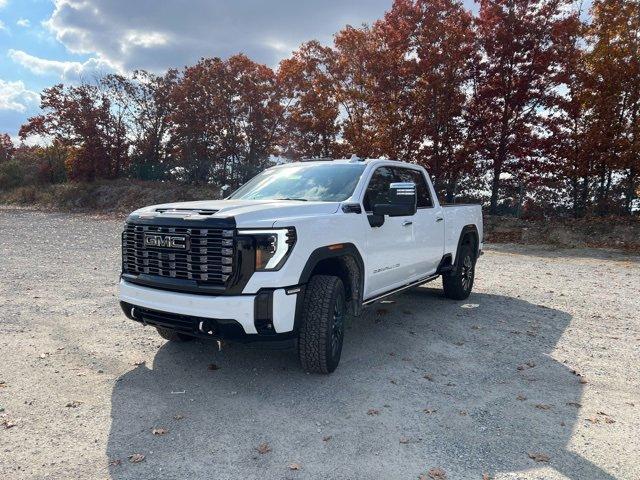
(293, 252)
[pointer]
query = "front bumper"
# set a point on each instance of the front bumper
(265, 314)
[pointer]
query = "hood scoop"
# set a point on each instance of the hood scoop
(187, 211)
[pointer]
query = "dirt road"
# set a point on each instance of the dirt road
(535, 376)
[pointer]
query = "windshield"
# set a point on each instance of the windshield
(325, 183)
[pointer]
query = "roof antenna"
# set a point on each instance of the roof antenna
(355, 159)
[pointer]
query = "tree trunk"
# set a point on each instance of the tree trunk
(631, 191)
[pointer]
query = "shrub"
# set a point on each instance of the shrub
(12, 174)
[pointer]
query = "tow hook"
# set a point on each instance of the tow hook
(206, 327)
(134, 315)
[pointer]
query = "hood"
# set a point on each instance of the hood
(251, 213)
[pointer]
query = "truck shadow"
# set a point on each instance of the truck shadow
(470, 387)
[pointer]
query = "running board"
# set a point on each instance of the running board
(400, 289)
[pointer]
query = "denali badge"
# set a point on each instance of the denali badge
(166, 241)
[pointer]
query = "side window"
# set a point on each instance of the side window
(422, 189)
(378, 188)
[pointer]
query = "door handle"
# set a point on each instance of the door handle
(439, 219)
(406, 223)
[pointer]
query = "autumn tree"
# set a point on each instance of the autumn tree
(436, 56)
(226, 119)
(613, 64)
(513, 84)
(79, 117)
(144, 106)
(6, 147)
(312, 109)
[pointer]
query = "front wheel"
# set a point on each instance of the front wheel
(458, 286)
(322, 328)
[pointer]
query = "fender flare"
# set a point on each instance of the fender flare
(468, 229)
(329, 252)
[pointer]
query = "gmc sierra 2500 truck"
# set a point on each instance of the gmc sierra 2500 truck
(293, 252)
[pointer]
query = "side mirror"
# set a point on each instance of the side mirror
(402, 201)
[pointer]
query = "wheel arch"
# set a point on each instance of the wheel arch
(344, 261)
(468, 234)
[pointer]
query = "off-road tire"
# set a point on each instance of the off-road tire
(173, 336)
(459, 284)
(317, 351)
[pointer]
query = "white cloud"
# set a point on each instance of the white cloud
(23, 22)
(66, 70)
(172, 33)
(3, 27)
(3, 3)
(15, 96)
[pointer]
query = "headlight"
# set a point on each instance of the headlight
(272, 247)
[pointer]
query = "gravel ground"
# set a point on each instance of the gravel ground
(534, 376)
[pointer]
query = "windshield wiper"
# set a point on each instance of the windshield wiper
(289, 198)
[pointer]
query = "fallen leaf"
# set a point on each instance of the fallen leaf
(294, 466)
(136, 458)
(115, 463)
(8, 423)
(159, 431)
(373, 411)
(429, 410)
(404, 440)
(213, 366)
(426, 376)
(583, 381)
(543, 406)
(327, 438)
(463, 412)
(73, 404)
(593, 419)
(381, 312)
(485, 476)
(521, 398)
(263, 448)
(437, 474)
(574, 404)
(137, 363)
(539, 457)
(609, 420)
(178, 417)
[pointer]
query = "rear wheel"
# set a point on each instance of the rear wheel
(458, 285)
(322, 328)
(172, 335)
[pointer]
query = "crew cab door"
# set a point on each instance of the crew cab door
(428, 225)
(390, 246)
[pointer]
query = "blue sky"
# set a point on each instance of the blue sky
(44, 42)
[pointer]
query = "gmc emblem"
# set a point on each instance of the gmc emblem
(180, 242)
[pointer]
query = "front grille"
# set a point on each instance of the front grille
(206, 259)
